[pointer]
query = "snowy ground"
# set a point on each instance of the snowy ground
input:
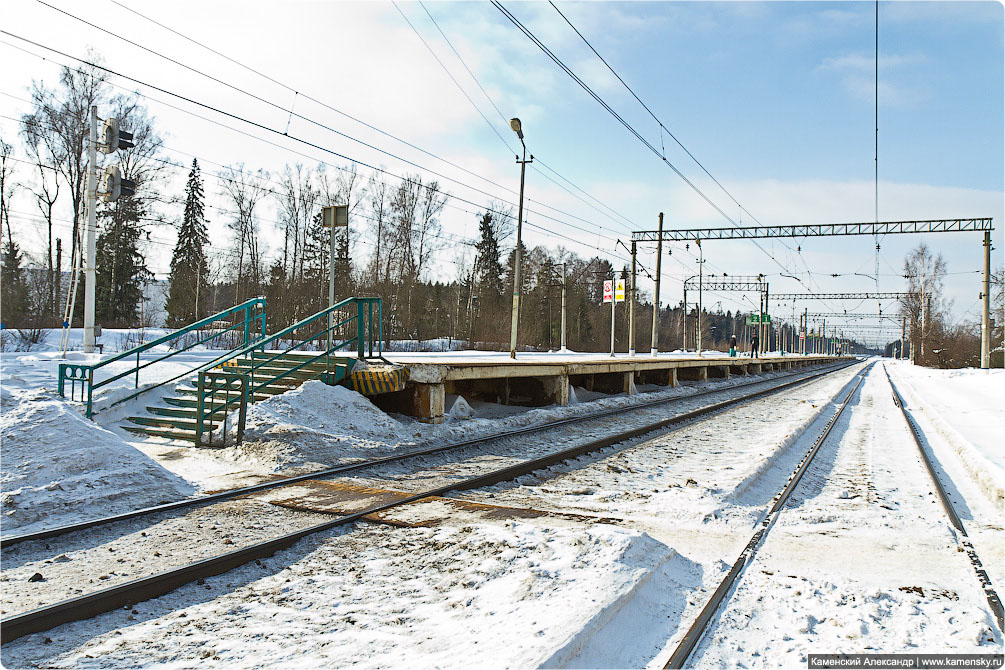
(861, 560)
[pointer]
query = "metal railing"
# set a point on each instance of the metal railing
(250, 327)
(287, 353)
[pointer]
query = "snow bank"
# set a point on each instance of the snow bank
(59, 467)
(512, 595)
(966, 408)
(319, 423)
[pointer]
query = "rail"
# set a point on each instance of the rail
(143, 588)
(80, 376)
(345, 323)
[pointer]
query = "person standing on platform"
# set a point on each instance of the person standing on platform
(755, 344)
(732, 347)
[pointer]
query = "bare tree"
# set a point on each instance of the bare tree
(923, 306)
(6, 183)
(58, 128)
(245, 189)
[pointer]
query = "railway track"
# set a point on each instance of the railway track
(702, 624)
(12, 540)
(994, 602)
(137, 590)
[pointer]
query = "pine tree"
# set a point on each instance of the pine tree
(490, 271)
(121, 270)
(13, 290)
(189, 271)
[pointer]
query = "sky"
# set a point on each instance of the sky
(775, 100)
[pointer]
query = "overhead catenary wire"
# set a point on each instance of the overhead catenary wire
(503, 118)
(664, 128)
(544, 230)
(565, 68)
(529, 224)
(292, 113)
(306, 96)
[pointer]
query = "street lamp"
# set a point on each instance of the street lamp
(515, 320)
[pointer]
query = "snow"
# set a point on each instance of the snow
(58, 467)
(337, 413)
(967, 407)
(511, 595)
(862, 559)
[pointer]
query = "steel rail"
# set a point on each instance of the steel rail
(700, 625)
(256, 488)
(982, 576)
(145, 588)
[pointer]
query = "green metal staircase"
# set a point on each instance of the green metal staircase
(177, 420)
(212, 399)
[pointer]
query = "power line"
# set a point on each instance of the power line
(329, 107)
(292, 113)
(565, 68)
(501, 115)
(663, 126)
(255, 124)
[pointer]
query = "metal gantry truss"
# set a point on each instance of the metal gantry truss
(851, 315)
(817, 230)
(713, 283)
(866, 295)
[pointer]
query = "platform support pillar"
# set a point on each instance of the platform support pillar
(556, 389)
(629, 386)
(672, 378)
(427, 402)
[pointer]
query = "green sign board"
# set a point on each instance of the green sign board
(755, 319)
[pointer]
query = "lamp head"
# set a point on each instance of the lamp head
(514, 123)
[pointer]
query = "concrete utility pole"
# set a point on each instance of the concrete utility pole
(614, 302)
(92, 221)
(701, 266)
(515, 319)
(564, 281)
(923, 315)
(903, 336)
(631, 307)
(656, 298)
(683, 320)
(986, 312)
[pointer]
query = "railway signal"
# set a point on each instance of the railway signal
(115, 186)
(113, 138)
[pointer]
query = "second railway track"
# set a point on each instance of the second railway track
(699, 631)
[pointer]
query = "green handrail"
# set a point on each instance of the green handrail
(365, 337)
(82, 374)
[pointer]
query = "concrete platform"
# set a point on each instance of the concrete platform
(538, 379)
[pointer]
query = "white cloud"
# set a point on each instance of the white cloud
(856, 74)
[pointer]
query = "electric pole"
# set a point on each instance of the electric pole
(631, 307)
(92, 223)
(656, 298)
(986, 312)
(564, 280)
(701, 267)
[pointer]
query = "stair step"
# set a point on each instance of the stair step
(166, 422)
(278, 369)
(188, 413)
(187, 436)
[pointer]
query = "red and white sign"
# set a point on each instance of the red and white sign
(608, 290)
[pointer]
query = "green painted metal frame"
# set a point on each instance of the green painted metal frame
(82, 374)
(211, 384)
(365, 338)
